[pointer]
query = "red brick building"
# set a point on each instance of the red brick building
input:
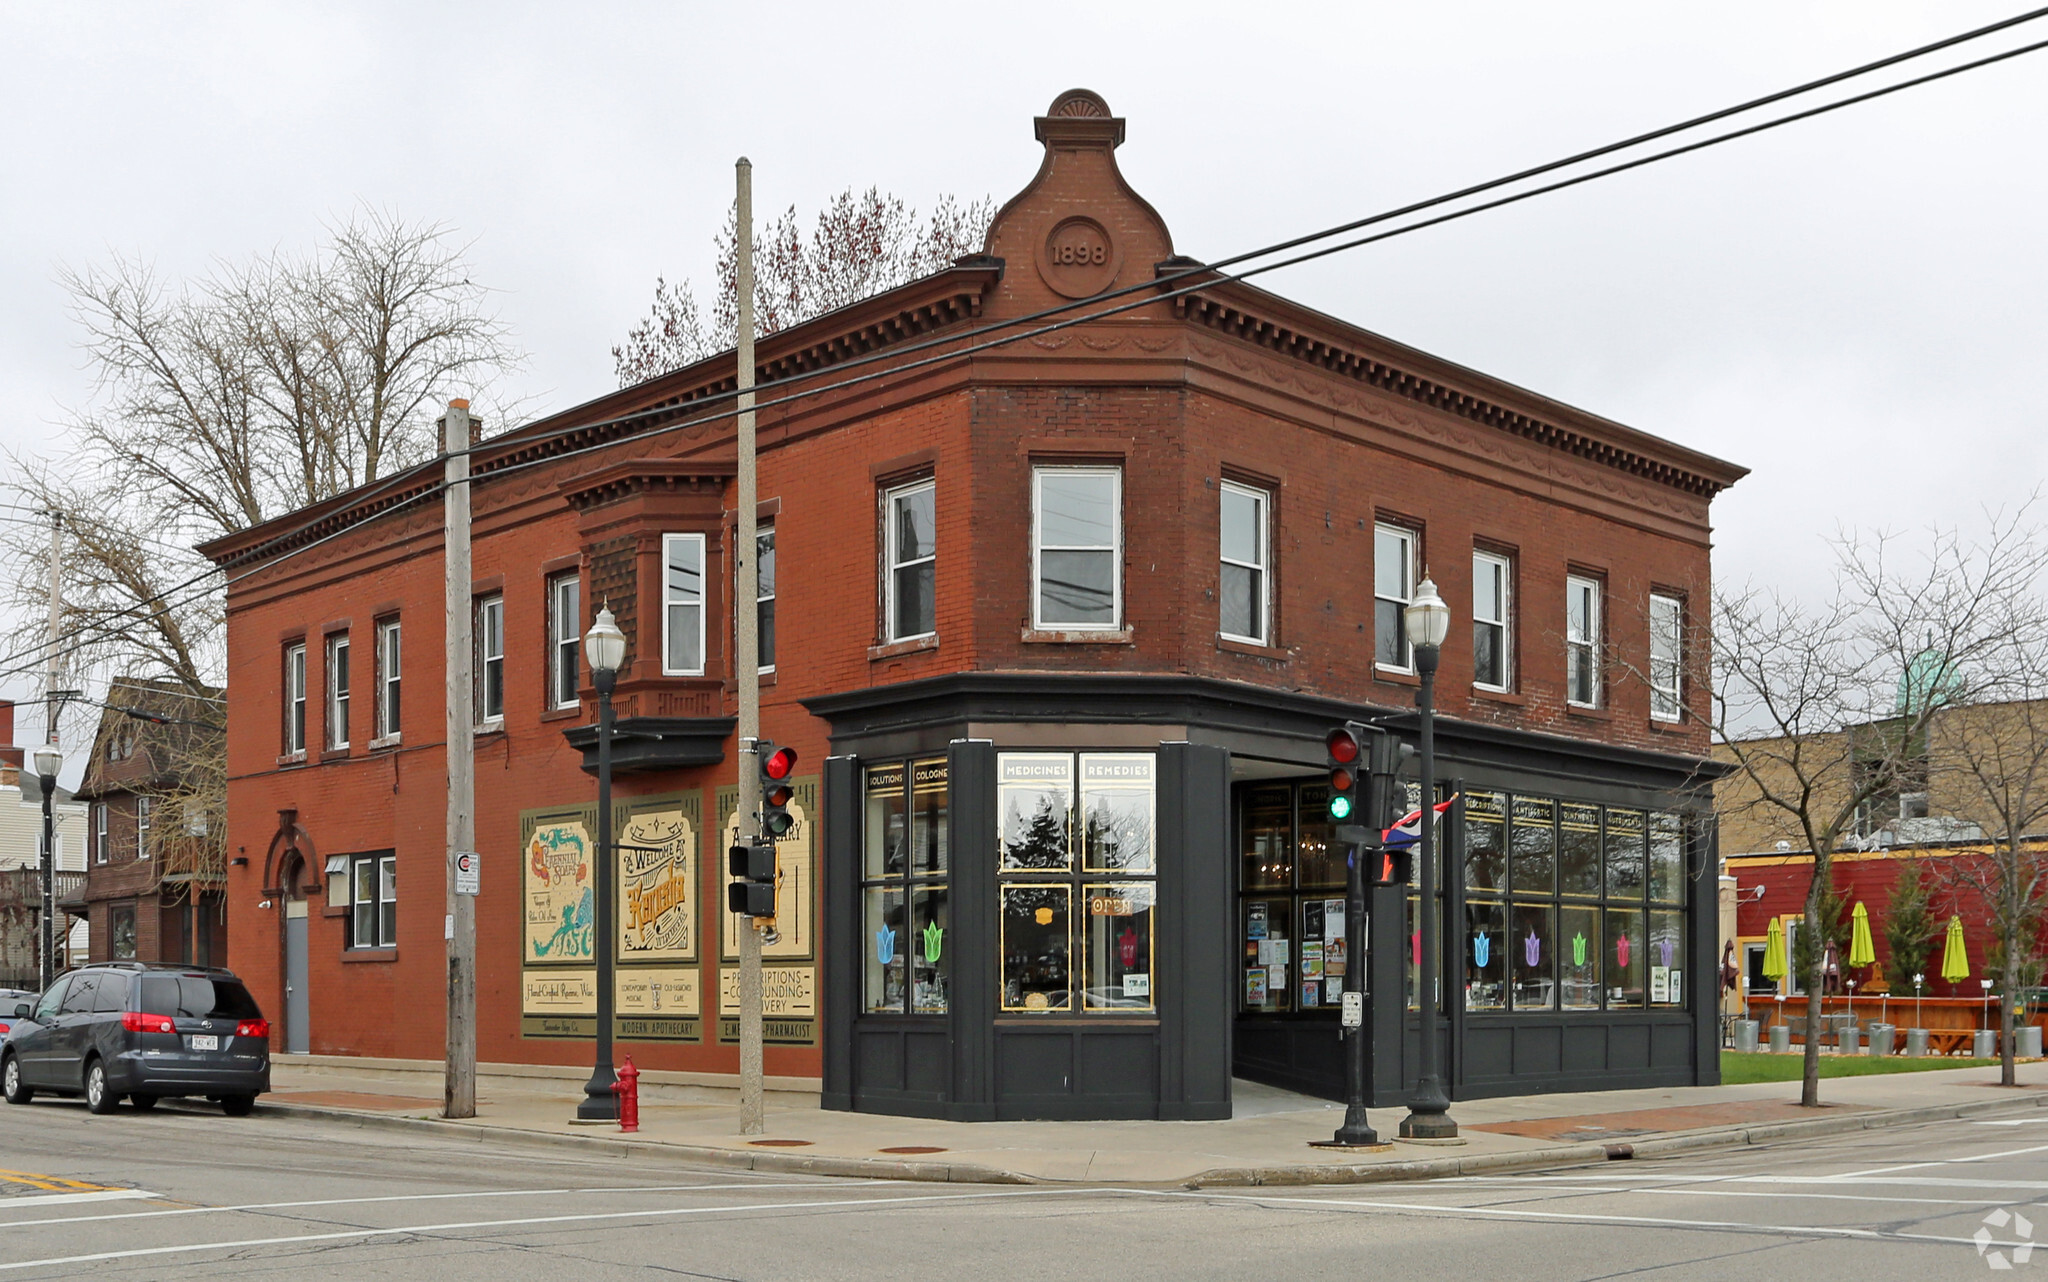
(1058, 627)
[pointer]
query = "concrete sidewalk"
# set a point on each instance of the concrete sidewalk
(1267, 1142)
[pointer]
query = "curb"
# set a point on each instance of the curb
(1290, 1175)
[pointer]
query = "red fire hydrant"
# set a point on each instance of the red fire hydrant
(628, 1091)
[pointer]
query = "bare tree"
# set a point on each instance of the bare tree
(1990, 766)
(230, 400)
(858, 246)
(1822, 711)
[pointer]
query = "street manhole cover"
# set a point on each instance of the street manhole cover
(912, 1148)
(781, 1143)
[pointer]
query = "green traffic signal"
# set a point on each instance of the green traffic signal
(1340, 806)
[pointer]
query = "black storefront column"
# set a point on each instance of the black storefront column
(1198, 953)
(840, 985)
(975, 980)
(1703, 945)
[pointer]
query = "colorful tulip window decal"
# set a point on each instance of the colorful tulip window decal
(1621, 952)
(934, 940)
(1482, 949)
(885, 945)
(1043, 916)
(1579, 949)
(1532, 950)
(1415, 945)
(1127, 946)
(1665, 948)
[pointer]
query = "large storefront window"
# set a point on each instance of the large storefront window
(1291, 901)
(1077, 834)
(904, 871)
(1570, 906)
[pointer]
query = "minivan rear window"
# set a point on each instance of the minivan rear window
(197, 997)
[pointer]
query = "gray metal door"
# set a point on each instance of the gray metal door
(298, 1026)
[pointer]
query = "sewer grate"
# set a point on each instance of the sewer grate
(781, 1143)
(912, 1148)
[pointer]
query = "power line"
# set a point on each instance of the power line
(1209, 274)
(1216, 265)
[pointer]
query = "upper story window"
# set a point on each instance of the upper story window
(389, 668)
(1667, 631)
(1393, 587)
(295, 698)
(143, 806)
(337, 691)
(565, 618)
(99, 832)
(1582, 641)
(682, 597)
(1492, 579)
(1077, 545)
(912, 528)
(1243, 595)
(490, 660)
(764, 597)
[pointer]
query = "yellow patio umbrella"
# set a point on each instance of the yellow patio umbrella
(1861, 951)
(1955, 961)
(1774, 955)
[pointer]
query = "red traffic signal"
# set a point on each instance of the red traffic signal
(1344, 749)
(779, 764)
(1343, 745)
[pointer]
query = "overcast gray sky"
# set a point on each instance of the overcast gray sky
(1852, 307)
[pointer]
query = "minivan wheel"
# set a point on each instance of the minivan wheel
(237, 1105)
(16, 1092)
(97, 1097)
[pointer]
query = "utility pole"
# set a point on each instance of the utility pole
(458, 1095)
(52, 707)
(746, 619)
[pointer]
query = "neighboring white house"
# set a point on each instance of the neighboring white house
(21, 836)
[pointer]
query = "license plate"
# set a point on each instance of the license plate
(207, 1042)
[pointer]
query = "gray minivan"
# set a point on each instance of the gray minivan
(145, 1032)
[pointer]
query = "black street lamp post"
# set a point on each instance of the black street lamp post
(49, 762)
(1428, 621)
(605, 646)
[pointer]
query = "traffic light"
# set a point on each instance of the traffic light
(777, 764)
(1346, 747)
(752, 893)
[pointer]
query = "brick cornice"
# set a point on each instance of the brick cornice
(1265, 320)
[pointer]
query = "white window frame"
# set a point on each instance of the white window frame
(565, 640)
(143, 807)
(383, 874)
(1586, 639)
(390, 675)
(1504, 565)
(1115, 549)
(896, 563)
(1410, 539)
(1262, 568)
(99, 832)
(1667, 675)
(668, 607)
(339, 680)
(763, 535)
(295, 699)
(489, 618)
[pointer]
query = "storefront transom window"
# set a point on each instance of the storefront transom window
(1077, 840)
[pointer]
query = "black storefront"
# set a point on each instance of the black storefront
(1106, 896)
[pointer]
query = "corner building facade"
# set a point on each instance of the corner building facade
(1058, 627)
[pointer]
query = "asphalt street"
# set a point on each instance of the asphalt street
(188, 1194)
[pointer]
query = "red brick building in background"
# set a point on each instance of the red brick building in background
(1058, 627)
